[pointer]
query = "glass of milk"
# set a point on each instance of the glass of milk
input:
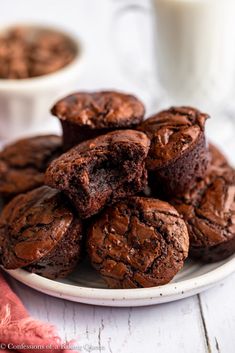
(194, 44)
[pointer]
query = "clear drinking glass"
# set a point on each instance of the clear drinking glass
(194, 45)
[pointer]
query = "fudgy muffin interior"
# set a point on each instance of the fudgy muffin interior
(105, 175)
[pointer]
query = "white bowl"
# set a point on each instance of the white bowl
(25, 103)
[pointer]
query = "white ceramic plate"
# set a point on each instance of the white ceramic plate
(85, 286)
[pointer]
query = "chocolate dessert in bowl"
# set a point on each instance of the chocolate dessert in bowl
(38, 63)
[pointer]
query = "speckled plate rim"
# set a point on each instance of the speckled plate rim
(126, 297)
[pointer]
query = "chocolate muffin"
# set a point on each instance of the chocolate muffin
(39, 231)
(101, 171)
(84, 116)
(217, 158)
(23, 163)
(208, 209)
(138, 242)
(178, 153)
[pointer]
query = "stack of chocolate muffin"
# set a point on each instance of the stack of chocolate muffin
(85, 195)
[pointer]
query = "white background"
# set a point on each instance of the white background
(122, 59)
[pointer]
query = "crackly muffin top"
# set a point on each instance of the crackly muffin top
(31, 225)
(172, 132)
(22, 164)
(138, 242)
(208, 206)
(100, 110)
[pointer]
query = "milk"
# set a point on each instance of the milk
(195, 49)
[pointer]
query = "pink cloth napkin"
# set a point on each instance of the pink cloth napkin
(20, 332)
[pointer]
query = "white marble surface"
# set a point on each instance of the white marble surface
(201, 324)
